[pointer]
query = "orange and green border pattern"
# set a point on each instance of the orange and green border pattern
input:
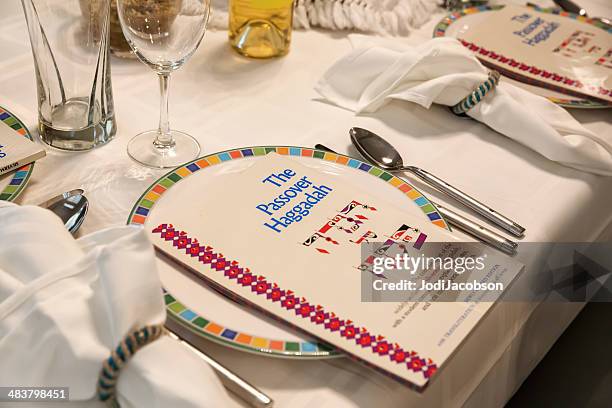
(22, 175)
(218, 333)
(442, 26)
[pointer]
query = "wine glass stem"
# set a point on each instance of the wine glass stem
(164, 139)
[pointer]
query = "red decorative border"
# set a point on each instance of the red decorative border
(287, 299)
(534, 70)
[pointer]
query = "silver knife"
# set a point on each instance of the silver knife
(466, 225)
(232, 381)
(568, 5)
(476, 230)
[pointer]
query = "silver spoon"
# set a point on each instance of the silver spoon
(71, 207)
(380, 152)
(464, 224)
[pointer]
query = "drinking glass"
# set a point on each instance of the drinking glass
(69, 41)
(163, 34)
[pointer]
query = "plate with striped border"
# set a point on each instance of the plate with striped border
(460, 21)
(12, 184)
(209, 314)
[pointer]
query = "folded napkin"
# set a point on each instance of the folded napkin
(442, 71)
(64, 304)
(396, 17)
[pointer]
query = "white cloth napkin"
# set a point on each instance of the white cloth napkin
(64, 304)
(442, 71)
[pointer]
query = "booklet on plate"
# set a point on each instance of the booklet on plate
(545, 49)
(292, 242)
(15, 150)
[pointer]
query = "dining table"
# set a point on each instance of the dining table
(228, 101)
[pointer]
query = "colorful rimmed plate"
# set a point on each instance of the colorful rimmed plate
(460, 22)
(200, 308)
(12, 184)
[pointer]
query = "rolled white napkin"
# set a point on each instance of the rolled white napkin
(64, 304)
(442, 71)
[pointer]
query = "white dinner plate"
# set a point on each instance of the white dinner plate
(210, 314)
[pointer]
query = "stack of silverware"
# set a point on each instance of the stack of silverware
(381, 153)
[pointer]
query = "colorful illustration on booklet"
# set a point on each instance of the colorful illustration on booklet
(579, 44)
(403, 235)
(333, 233)
(406, 233)
(606, 60)
(342, 221)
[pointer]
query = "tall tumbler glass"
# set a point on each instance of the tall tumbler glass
(70, 45)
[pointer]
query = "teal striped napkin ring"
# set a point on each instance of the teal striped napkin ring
(119, 357)
(472, 99)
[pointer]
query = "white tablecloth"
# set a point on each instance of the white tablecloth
(227, 101)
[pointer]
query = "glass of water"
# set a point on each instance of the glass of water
(163, 34)
(69, 41)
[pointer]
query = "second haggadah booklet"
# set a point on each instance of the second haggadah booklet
(293, 242)
(15, 150)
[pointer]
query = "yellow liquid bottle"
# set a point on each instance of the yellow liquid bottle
(260, 28)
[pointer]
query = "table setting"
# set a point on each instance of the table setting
(218, 259)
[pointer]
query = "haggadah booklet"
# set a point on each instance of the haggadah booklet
(547, 50)
(286, 239)
(15, 150)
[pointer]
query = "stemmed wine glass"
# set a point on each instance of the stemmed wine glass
(163, 34)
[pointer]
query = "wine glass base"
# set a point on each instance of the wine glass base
(143, 150)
